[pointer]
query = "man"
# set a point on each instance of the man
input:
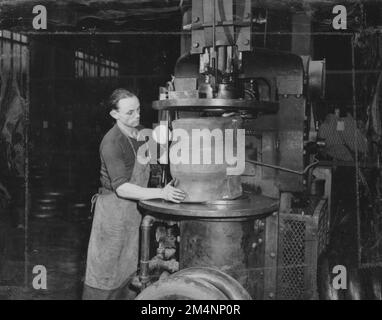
(113, 247)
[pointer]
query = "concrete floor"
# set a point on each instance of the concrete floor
(55, 243)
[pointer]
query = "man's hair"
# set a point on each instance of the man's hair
(117, 95)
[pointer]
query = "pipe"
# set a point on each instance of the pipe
(222, 59)
(282, 168)
(214, 59)
(167, 265)
(146, 225)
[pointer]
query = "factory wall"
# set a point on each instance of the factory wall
(69, 113)
(14, 66)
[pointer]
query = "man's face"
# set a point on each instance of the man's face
(128, 111)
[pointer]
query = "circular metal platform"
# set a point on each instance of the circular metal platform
(246, 206)
(216, 105)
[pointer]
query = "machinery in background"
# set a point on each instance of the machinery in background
(256, 239)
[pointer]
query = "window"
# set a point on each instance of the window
(89, 66)
(14, 58)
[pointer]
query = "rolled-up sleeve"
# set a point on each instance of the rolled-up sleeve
(119, 166)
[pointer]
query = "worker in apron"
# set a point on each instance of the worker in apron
(112, 258)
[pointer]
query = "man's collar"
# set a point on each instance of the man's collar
(129, 132)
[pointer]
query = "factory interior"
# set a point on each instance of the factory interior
(307, 95)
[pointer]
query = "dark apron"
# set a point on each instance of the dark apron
(114, 240)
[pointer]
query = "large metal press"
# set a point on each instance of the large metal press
(256, 235)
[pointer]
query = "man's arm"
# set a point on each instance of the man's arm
(119, 175)
(134, 192)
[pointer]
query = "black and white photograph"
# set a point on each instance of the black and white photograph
(201, 150)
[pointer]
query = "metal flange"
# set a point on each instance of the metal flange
(250, 205)
(216, 105)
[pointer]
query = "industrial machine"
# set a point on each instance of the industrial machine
(250, 234)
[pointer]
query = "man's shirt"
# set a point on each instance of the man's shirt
(117, 158)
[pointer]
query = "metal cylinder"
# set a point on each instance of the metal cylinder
(198, 158)
(223, 244)
(222, 58)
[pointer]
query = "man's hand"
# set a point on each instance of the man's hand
(170, 193)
